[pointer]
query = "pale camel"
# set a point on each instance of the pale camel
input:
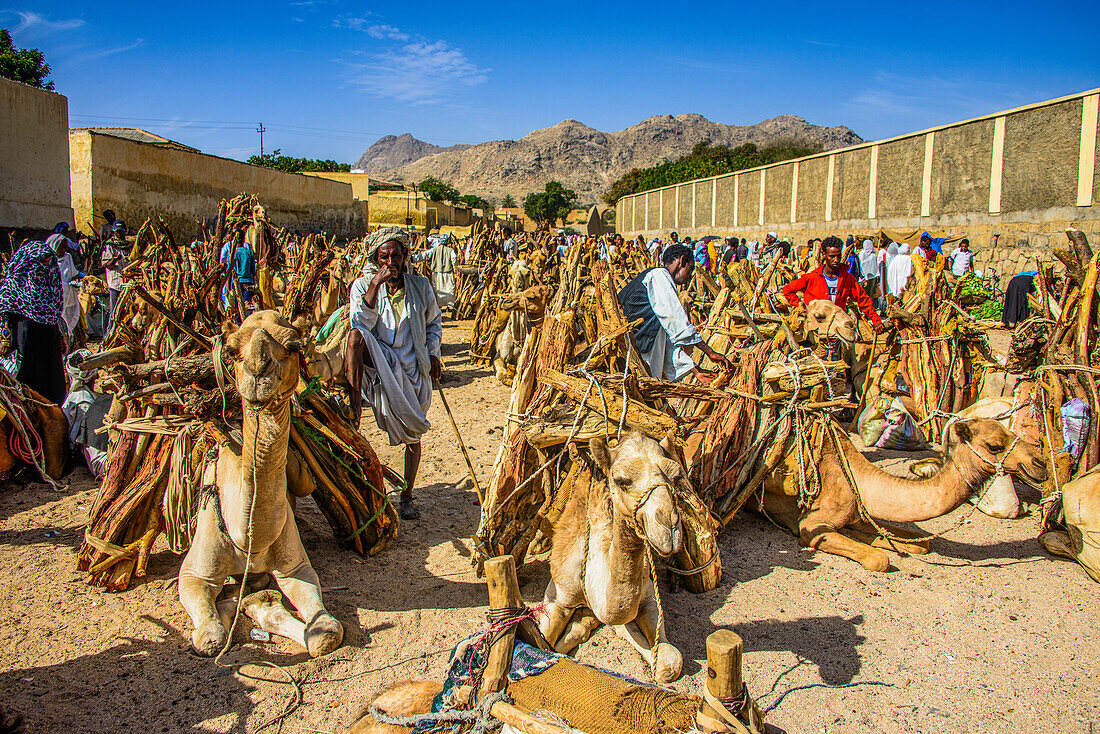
(984, 444)
(1080, 540)
(522, 303)
(599, 568)
(249, 509)
(999, 497)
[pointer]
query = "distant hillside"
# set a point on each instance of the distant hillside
(394, 151)
(583, 158)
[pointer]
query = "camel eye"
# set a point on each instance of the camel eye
(996, 447)
(624, 482)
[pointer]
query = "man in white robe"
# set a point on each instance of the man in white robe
(393, 352)
(70, 282)
(666, 336)
(441, 259)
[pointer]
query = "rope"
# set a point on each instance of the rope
(480, 717)
(23, 426)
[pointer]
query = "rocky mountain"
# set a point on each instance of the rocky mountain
(394, 151)
(580, 157)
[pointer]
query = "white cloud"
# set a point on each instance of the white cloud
(897, 95)
(35, 24)
(418, 71)
(386, 31)
(112, 51)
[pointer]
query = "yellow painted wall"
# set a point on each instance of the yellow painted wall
(360, 182)
(1013, 208)
(139, 180)
(34, 157)
(392, 207)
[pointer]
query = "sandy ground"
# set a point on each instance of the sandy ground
(984, 634)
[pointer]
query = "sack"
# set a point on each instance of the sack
(1075, 426)
(886, 424)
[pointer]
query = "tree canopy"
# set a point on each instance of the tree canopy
(507, 202)
(295, 165)
(706, 160)
(548, 207)
(437, 190)
(26, 65)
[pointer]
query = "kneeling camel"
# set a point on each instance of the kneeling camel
(246, 524)
(983, 445)
(600, 570)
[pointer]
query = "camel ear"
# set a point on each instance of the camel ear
(601, 454)
(962, 430)
(301, 324)
(666, 444)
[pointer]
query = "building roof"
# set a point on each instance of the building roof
(138, 135)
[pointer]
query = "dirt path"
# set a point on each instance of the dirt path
(987, 633)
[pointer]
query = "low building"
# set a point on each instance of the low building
(34, 159)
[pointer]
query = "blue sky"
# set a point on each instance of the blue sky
(327, 78)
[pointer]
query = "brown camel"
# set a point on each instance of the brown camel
(983, 444)
(49, 422)
(248, 524)
(1080, 540)
(599, 568)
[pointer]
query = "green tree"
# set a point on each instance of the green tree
(706, 160)
(295, 165)
(507, 202)
(26, 65)
(437, 190)
(548, 207)
(475, 202)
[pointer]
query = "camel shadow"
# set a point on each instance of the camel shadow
(461, 377)
(399, 579)
(56, 535)
(1000, 554)
(130, 682)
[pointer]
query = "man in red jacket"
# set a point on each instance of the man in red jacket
(831, 281)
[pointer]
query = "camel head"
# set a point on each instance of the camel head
(519, 276)
(827, 320)
(265, 348)
(989, 440)
(642, 480)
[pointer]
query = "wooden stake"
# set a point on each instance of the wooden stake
(500, 577)
(461, 445)
(724, 649)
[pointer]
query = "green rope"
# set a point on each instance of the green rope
(313, 386)
(368, 522)
(321, 441)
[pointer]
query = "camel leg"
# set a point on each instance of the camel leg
(555, 617)
(581, 625)
(866, 533)
(323, 633)
(668, 664)
(266, 609)
(198, 595)
(1058, 543)
(830, 541)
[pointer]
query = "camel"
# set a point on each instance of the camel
(517, 307)
(246, 523)
(1080, 540)
(600, 572)
(999, 498)
(49, 422)
(983, 445)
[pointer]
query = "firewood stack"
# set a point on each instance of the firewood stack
(169, 411)
(580, 375)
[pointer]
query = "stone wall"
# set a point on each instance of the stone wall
(34, 158)
(141, 180)
(1012, 181)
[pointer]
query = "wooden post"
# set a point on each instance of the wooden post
(724, 681)
(500, 577)
(724, 649)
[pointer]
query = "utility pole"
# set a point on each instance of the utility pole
(261, 130)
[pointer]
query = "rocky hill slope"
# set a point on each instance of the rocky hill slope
(394, 151)
(582, 158)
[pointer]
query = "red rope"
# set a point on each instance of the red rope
(18, 446)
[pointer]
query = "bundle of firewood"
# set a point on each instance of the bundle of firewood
(172, 405)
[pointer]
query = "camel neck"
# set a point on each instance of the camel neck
(626, 549)
(898, 499)
(266, 433)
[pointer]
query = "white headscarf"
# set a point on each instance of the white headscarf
(901, 267)
(868, 263)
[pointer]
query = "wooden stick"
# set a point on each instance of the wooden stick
(169, 316)
(461, 445)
